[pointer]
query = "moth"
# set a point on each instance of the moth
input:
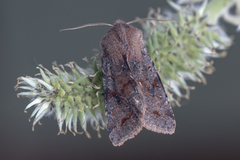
(133, 92)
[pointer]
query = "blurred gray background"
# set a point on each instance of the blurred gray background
(208, 126)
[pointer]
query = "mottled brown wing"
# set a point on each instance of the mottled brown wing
(124, 101)
(159, 115)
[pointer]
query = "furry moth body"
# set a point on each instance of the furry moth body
(133, 92)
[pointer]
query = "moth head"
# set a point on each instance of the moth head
(125, 34)
(129, 36)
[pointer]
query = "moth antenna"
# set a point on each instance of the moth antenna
(146, 19)
(87, 25)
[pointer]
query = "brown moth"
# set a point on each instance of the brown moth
(133, 92)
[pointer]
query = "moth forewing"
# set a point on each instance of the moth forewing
(134, 94)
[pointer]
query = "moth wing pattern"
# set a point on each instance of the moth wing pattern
(133, 91)
(124, 101)
(159, 115)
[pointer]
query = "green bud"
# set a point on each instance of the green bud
(61, 92)
(57, 85)
(71, 100)
(88, 101)
(88, 90)
(66, 86)
(45, 78)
